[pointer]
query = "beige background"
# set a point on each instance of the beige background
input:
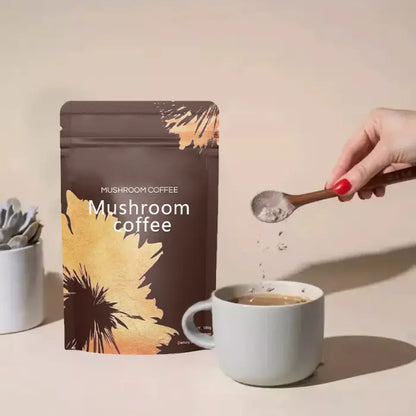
(293, 80)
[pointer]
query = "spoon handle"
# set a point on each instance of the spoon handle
(390, 178)
(302, 199)
(378, 180)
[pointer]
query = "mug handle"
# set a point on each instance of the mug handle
(190, 329)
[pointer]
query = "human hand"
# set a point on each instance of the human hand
(386, 142)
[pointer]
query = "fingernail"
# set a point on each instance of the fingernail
(342, 186)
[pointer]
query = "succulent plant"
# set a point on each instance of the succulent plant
(18, 229)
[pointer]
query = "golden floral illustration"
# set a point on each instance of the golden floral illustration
(106, 300)
(196, 123)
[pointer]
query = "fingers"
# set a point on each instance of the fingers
(359, 146)
(362, 172)
(365, 194)
(363, 157)
(379, 192)
(396, 166)
(354, 151)
(346, 198)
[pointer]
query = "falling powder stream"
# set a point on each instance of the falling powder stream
(270, 248)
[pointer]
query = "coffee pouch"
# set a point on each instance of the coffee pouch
(139, 222)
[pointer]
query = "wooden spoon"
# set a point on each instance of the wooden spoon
(275, 206)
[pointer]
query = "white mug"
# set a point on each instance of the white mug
(263, 345)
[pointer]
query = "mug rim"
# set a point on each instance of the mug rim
(293, 305)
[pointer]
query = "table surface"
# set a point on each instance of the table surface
(369, 369)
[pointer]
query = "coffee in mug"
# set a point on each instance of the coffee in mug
(269, 299)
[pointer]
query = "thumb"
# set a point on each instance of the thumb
(362, 172)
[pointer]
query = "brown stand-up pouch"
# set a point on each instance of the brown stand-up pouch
(139, 222)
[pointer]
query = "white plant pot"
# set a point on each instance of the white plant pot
(21, 288)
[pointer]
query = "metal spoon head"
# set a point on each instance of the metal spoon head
(271, 206)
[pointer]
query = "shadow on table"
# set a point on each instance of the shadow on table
(350, 356)
(351, 272)
(53, 298)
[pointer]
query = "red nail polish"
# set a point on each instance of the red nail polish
(342, 186)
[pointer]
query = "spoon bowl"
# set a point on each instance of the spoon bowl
(272, 206)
